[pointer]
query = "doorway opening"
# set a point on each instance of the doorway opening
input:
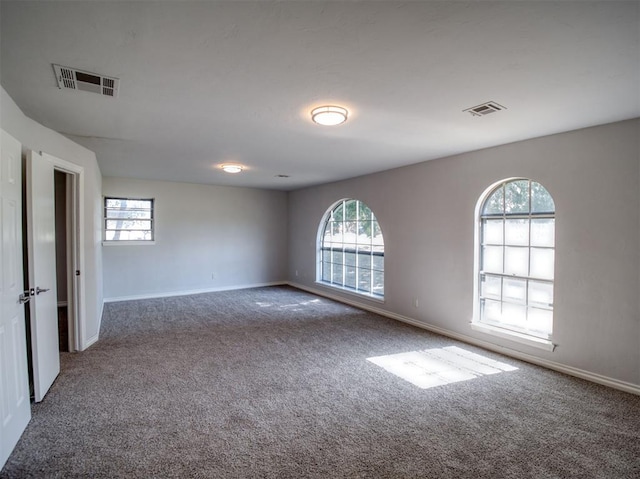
(65, 269)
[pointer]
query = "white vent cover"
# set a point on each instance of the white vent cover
(485, 108)
(85, 81)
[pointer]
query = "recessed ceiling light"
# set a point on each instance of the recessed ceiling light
(232, 168)
(329, 115)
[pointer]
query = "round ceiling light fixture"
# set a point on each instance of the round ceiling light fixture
(232, 168)
(329, 115)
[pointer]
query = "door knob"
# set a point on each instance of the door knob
(41, 290)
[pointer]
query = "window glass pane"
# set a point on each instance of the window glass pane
(144, 214)
(337, 257)
(128, 235)
(515, 290)
(378, 262)
(541, 201)
(516, 232)
(492, 231)
(494, 205)
(540, 321)
(350, 259)
(491, 286)
(350, 276)
(377, 239)
(514, 315)
(351, 210)
(378, 282)
(364, 279)
(379, 249)
(491, 310)
(516, 260)
(327, 238)
(365, 231)
(364, 260)
(128, 224)
(350, 233)
(336, 277)
(542, 263)
(326, 256)
(541, 293)
(338, 213)
(492, 259)
(517, 197)
(543, 232)
(364, 213)
(326, 271)
(128, 204)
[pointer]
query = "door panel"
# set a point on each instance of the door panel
(15, 409)
(42, 272)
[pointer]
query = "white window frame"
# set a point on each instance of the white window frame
(491, 327)
(321, 248)
(112, 242)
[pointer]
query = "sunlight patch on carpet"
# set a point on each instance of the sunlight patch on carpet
(288, 306)
(437, 367)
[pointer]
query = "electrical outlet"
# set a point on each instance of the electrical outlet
(415, 303)
(213, 276)
(296, 272)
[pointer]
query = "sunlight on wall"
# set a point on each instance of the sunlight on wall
(437, 367)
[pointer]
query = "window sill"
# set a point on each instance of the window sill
(540, 343)
(127, 243)
(351, 292)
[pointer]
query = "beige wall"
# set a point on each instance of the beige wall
(37, 137)
(426, 212)
(206, 238)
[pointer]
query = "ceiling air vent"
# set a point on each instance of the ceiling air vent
(80, 80)
(485, 108)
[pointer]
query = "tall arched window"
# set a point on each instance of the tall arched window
(351, 249)
(516, 258)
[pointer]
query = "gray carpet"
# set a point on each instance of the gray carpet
(274, 383)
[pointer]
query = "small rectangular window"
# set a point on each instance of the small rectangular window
(128, 219)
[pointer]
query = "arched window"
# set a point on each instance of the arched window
(351, 249)
(516, 258)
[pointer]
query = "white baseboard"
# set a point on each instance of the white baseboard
(570, 370)
(168, 294)
(89, 342)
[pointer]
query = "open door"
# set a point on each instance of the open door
(42, 273)
(15, 408)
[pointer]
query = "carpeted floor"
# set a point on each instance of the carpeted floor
(275, 383)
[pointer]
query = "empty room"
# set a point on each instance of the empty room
(320, 239)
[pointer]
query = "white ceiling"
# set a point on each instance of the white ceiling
(212, 82)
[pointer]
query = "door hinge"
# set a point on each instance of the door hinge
(77, 272)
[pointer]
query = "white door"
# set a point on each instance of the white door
(41, 246)
(15, 409)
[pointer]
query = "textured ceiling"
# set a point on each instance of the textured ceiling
(212, 82)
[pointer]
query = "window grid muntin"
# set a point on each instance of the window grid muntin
(526, 303)
(337, 220)
(107, 218)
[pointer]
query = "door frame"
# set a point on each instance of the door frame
(75, 251)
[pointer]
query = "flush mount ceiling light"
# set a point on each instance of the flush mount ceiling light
(232, 168)
(329, 115)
